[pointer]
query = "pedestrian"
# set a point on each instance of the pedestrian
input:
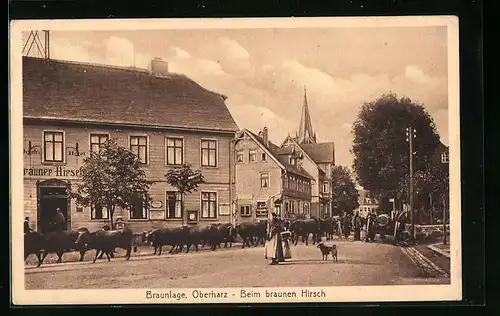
(274, 244)
(399, 226)
(346, 225)
(59, 221)
(356, 223)
(27, 228)
(287, 252)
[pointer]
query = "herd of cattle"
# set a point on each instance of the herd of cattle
(105, 241)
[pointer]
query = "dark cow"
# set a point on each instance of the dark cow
(226, 233)
(326, 227)
(203, 235)
(34, 243)
(175, 237)
(304, 227)
(63, 241)
(250, 230)
(107, 241)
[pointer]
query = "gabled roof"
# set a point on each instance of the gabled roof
(293, 141)
(320, 152)
(62, 90)
(274, 150)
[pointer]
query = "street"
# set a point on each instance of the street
(359, 263)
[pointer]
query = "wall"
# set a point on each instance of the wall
(217, 178)
(248, 190)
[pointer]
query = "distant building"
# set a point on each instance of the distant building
(441, 156)
(268, 178)
(319, 159)
(70, 109)
(367, 203)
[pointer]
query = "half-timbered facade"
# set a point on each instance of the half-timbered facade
(268, 178)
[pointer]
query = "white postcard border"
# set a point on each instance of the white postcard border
(22, 296)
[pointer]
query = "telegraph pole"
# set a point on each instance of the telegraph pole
(410, 135)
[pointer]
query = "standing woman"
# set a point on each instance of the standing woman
(356, 223)
(274, 243)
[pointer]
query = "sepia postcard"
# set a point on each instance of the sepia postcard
(195, 161)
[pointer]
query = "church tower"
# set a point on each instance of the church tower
(306, 134)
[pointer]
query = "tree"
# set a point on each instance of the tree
(185, 180)
(112, 177)
(431, 187)
(380, 149)
(344, 193)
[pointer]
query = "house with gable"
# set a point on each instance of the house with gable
(318, 161)
(268, 178)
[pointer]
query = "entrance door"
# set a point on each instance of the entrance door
(50, 198)
(47, 210)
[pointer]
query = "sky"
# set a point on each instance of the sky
(263, 71)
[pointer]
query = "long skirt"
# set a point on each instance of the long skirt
(274, 249)
(287, 252)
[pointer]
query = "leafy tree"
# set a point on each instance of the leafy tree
(185, 180)
(344, 193)
(431, 186)
(112, 177)
(380, 149)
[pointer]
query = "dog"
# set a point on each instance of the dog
(326, 250)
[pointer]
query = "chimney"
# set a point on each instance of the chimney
(265, 136)
(158, 67)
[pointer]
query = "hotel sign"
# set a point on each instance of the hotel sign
(56, 171)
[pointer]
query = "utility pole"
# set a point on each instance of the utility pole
(410, 135)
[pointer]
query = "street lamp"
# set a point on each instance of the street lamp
(411, 134)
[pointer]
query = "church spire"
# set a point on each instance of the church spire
(306, 133)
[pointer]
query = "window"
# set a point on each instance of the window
(263, 157)
(261, 209)
(245, 210)
(291, 160)
(209, 153)
(264, 180)
(239, 156)
(97, 141)
(306, 208)
(252, 155)
(299, 207)
(99, 212)
(53, 146)
(285, 182)
(174, 205)
(138, 208)
(139, 146)
(208, 205)
(325, 187)
(174, 154)
(292, 206)
(444, 157)
(287, 208)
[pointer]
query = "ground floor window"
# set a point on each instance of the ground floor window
(174, 210)
(306, 208)
(208, 204)
(245, 210)
(99, 212)
(261, 209)
(138, 209)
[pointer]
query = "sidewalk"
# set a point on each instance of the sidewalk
(441, 249)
